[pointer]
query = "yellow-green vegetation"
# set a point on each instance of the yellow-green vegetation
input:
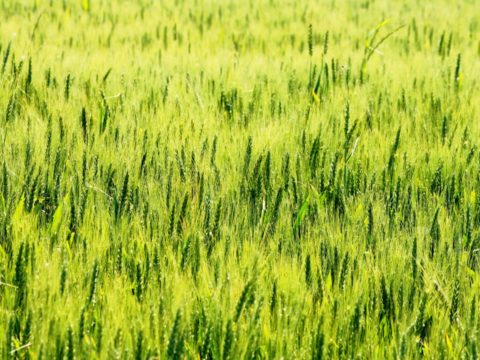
(239, 179)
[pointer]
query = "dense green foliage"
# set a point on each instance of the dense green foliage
(239, 179)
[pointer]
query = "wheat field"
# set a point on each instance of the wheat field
(270, 179)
